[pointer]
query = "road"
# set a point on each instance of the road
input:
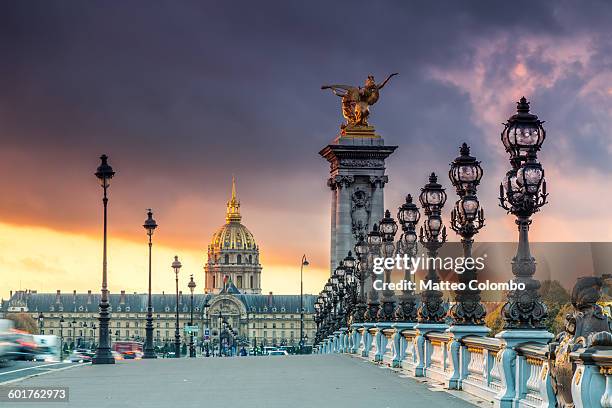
(267, 382)
(21, 369)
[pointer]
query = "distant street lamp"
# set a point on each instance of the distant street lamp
(408, 215)
(41, 318)
(73, 326)
(149, 351)
(388, 229)
(103, 353)
(432, 236)
(176, 265)
(61, 324)
(374, 244)
(191, 287)
(361, 250)
(302, 265)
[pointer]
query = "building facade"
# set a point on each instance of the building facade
(232, 300)
(258, 320)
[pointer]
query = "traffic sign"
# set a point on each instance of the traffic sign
(191, 329)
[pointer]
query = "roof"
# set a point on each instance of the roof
(137, 302)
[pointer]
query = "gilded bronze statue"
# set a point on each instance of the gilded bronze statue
(356, 100)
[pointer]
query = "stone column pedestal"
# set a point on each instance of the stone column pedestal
(357, 179)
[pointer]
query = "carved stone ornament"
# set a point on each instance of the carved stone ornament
(587, 327)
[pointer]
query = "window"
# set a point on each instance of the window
(226, 258)
(239, 278)
(214, 282)
(51, 331)
(254, 334)
(250, 258)
(239, 259)
(252, 285)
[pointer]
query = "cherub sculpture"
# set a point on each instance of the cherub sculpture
(356, 100)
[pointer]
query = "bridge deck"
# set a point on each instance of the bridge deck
(291, 381)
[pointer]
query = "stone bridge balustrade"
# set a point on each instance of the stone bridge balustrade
(480, 362)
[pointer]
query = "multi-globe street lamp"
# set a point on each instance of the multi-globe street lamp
(149, 351)
(388, 229)
(302, 265)
(432, 236)
(467, 218)
(374, 240)
(191, 285)
(361, 269)
(408, 215)
(176, 266)
(103, 355)
(522, 194)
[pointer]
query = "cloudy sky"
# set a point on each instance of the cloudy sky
(181, 95)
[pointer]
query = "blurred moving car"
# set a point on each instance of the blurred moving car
(278, 353)
(79, 356)
(26, 346)
(48, 348)
(116, 355)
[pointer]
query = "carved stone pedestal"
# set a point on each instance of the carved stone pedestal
(357, 178)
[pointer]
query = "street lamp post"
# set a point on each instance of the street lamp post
(61, 324)
(74, 338)
(467, 218)
(41, 318)
(149, 351)
(522, 194)
(103, 353)
(388, 229)
(408, 215)
(302, 265)
(191, 287)
(176, 265)
(374, 244)
(361, 250)
(432, 236)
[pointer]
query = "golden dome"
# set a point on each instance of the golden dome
(233, 235)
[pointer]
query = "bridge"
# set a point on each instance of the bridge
(291, 381)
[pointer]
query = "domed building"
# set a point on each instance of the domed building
(229, 310)
(233, 255)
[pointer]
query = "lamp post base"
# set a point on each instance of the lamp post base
(103, 356)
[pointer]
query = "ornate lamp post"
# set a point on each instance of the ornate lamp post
(349, 263)
(302, 265)
(61, 324)
(41, 319)
(408, 215)
(432, 237)
(523, 193)
(467, 218)
(176, 265)
(103, 355)
(191, 285)
(361, 268)
(374, 244)
(388, 229)
(149, 351)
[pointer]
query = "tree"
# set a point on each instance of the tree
(494, 320)
(556, 298)
(24, 321)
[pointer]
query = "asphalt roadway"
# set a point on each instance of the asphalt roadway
(311, 381)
